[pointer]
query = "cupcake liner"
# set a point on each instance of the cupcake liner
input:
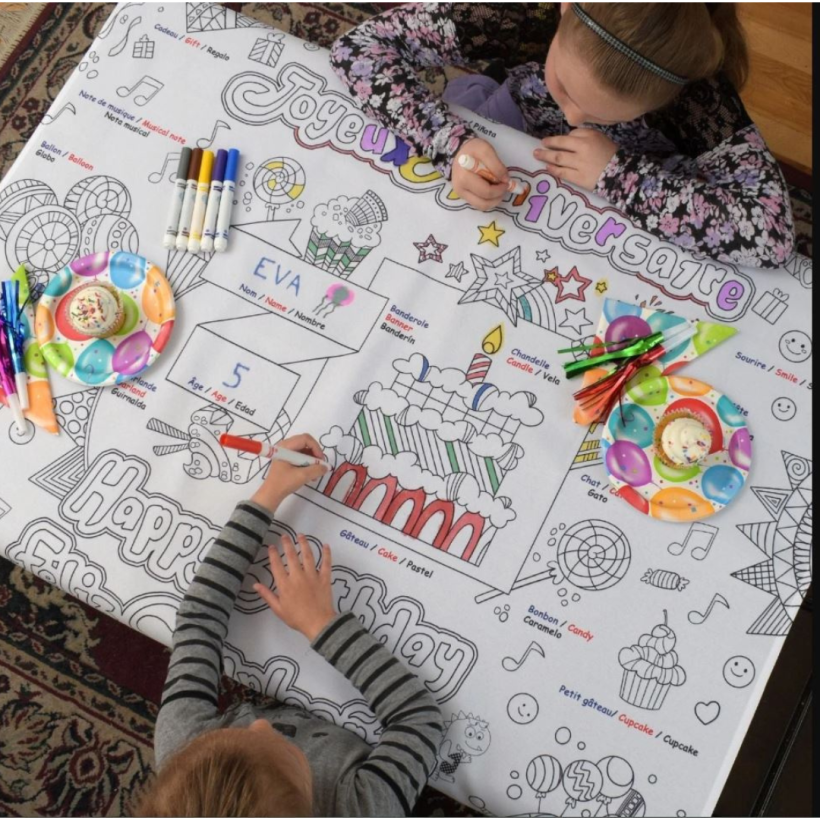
(644, 693)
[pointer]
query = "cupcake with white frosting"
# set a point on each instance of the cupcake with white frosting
(682, 440)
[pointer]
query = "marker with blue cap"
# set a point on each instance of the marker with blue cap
(223, 222)
(214, 198)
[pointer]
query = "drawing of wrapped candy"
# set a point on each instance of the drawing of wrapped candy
(344, 231)
(664, 579)
(650, 668)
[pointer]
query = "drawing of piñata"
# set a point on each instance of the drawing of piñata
(344, 231)
(427, 455)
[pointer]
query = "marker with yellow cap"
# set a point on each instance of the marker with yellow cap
(201, 202)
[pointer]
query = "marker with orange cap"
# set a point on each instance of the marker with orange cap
(514, 186)
(271, 451)
(201, 201)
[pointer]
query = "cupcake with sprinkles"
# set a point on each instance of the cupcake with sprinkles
(96, 310)
(681, 439)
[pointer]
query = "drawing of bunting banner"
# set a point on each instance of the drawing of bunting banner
(622, 320)
(41, 407)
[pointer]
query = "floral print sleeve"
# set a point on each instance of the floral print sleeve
(378, 61)
(730, 203)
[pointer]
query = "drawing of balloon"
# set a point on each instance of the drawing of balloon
(633, 424)
(337, 295)
(680, 504)
(628, 463)
(728, 412)
(634, 498)
(721, 483)
(582, 781)
(740, 449)
(626, 327)
(543, 775)
(131, 355)
(618, 777)
(157, 297)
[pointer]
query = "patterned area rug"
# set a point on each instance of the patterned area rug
(79, 692)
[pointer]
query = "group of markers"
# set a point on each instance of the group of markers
(200, 215)
(13, 378)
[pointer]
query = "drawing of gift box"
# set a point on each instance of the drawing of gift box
(771, 305)
(267, 50)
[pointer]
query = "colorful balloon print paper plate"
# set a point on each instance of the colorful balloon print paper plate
(149, 319)
(643, 480)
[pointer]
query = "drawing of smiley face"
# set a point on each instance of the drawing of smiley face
(522, 708)
(738, 671)
(795, 346)
(784, 409)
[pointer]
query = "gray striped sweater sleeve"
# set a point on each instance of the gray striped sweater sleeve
(389, 780)
(190, 697)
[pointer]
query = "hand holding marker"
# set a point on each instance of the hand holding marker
(271, 451)
(214, 198)
(201, 201)
(172, 222)
(183, 234)
(468, 163)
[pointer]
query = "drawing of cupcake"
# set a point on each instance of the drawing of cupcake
(344, 231)
(650, 668)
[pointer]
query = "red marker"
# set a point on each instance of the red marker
(271, 451)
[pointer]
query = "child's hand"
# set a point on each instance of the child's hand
(303, 599)
(284, 478)
(578, 157)
(470, 186)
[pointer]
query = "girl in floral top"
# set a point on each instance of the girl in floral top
(637, 102)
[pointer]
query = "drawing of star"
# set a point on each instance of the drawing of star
(490, 233)
(566, 290)
(542, 256)
(551, 275)
(430, 249)
(456, 271)
(579, 320)
(510, 283)
(602, 286)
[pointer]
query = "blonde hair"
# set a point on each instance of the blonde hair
(692, 40)
(214, 776)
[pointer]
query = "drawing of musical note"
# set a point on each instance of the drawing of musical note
(701, 537)
(170, 157)
(48, 119)
(141, 99)
(698, 618)
(511, 664)
(207, 142)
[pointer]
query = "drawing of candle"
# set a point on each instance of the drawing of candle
(480, 365)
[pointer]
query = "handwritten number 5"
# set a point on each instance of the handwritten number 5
(237, 374)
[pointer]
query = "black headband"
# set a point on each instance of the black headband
(619, 45)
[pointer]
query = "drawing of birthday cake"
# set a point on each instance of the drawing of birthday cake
(428, 455)
(650, 668)
(344, 231)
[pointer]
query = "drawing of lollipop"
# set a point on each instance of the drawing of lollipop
(278, 181)
(582, 782)
(618, 778)
(543, 776)
(338, 295)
